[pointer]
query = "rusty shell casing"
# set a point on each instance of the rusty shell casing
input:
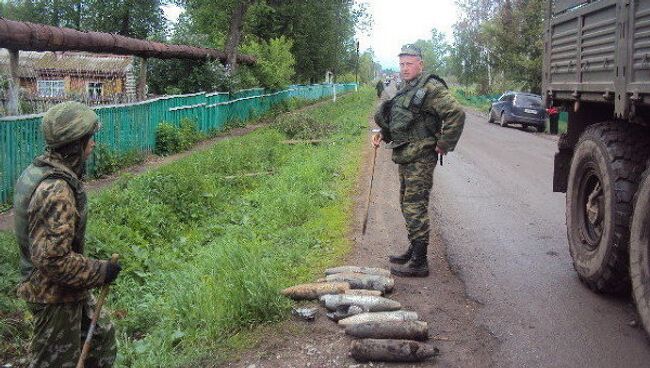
(400, 315)
(364, 281)
(401, 330)
(378, 350)
(315, 290)
(367, 302)
(356, 269)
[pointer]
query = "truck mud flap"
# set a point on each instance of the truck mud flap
(561, 170)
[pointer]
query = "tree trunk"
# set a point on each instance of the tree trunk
(234, 35)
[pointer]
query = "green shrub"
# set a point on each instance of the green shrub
(171, 139)
(302, 126)
(275, 62)
(108, 161)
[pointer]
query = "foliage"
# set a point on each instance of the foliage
(302, 126)
(275, 63)
(140, 19)
(322, 31)
(187, 76)
(468, 96)
(171, 139)
(108, 161)
(13, 325)
(435, 52)
(498, 44)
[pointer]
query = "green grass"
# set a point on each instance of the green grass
(205, 254)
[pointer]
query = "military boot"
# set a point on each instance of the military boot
(418, 266)
(402, 258)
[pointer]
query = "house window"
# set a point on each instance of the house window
(94, 90)
(50, 88)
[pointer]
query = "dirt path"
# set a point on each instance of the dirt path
(439, 299)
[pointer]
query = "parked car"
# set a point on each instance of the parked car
(519, 108)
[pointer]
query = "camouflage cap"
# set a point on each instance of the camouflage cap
(410, 49)
(67, 122)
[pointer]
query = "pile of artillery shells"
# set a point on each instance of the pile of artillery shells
(385, 332)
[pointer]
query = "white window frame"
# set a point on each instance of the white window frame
(50, 87)
(96, 86)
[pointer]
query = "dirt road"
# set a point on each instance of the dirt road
(505, 234)
(510, 297)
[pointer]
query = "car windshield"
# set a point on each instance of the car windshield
(528, 101)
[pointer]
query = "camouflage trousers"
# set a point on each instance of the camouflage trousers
(416, 180)
(60, 331)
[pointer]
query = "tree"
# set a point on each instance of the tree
(133, 18)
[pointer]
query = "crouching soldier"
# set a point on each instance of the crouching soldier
(50, 218)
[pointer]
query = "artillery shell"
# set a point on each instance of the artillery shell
(362, 292)
(406, 330)
(400, 315)
(352, 269)
(377, 350)
(367, 302)
(345, 312)
(313, 291)
(364, 281)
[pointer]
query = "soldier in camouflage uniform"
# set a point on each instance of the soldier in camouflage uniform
(50, 217)
(421, 122)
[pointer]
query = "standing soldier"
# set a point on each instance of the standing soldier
(421, 122)
(50, 208)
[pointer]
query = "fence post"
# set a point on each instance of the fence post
(142, 80)
(13, 104)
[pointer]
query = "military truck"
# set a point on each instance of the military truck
(597, 69)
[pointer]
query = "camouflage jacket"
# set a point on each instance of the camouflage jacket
(50, 208)
(426, 114)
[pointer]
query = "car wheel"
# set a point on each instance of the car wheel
(503, 121)
(524, 127)
(604, 174)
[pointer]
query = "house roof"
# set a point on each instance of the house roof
(32, 63)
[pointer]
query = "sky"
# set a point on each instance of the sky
(395, 22)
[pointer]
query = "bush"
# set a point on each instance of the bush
(171, 139)
(302, 126)
(108, 161)
(275, 62)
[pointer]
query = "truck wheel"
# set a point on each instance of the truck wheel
(605, 171)
(490, 117)
(640, 251)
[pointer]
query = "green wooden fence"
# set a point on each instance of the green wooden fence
(132, 127)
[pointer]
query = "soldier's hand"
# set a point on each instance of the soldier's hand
(440, 151)
(376, 139)
(112, 270)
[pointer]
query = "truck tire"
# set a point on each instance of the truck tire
(640, 251)
(502, 120)
(605, 171)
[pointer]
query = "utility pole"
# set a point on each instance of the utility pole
(356, 73)
(13, 101)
